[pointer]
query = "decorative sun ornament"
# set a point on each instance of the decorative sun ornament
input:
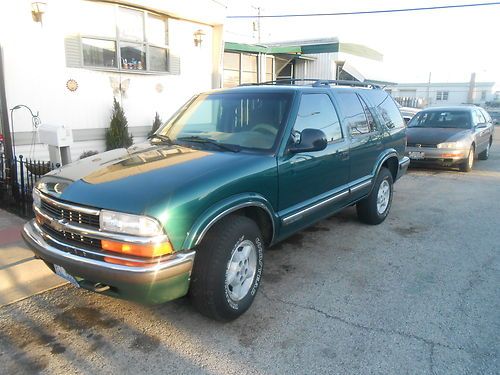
(72, 85)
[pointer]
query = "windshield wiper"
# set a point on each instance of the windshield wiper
(161, 137)
(222, 146)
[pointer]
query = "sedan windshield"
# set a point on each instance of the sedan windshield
(441, 119)
(231, 121)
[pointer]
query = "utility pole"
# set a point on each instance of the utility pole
(472, 87)
(429, 89)
(258, 22)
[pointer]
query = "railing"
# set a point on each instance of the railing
(413, 102)
(17, 179)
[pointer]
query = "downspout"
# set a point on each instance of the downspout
(4, 115)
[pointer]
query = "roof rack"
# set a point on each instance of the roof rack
(328, 82)
(316, 82)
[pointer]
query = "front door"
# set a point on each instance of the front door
(312, 183)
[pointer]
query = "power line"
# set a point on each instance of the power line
(400, 10)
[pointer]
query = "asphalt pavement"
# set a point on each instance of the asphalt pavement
(418, 294)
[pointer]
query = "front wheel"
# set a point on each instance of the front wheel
(375, 208)
(469, 162)
(228, 268)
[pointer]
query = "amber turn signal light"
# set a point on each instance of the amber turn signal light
(146, 251)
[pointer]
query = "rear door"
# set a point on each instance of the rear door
(365, 140)
(482, 134)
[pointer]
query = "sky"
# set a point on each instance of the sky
(450, 44)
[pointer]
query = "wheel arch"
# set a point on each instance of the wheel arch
(390, 161)
(254, 207)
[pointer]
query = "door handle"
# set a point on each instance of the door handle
(344, 155)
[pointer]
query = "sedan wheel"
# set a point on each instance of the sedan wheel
(469, 162)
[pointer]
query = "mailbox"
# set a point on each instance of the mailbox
(59, 138)
(55, 135)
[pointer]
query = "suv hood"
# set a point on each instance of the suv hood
(434, 136)
(130, 180)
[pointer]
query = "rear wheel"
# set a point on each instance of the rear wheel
(228, 268)
(375, 208)
(486, 153)
(469, 162)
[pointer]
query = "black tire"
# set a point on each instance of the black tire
(367, 208)
(486, 153)
(208, 291)
(468, 163)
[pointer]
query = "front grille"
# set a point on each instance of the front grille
(70, 215)
(72, 238)
(423, 145)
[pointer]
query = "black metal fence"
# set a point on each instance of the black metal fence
(17, 178)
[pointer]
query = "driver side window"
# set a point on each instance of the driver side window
(316, 111)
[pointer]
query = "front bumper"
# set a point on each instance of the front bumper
(440, 156)
(152, 283)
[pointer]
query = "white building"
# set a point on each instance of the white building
(442, 94)
(67, 59)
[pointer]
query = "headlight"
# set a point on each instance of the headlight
(129, 224)
(37, 201)
(459, 144)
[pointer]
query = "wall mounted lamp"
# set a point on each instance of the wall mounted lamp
(198, 37)
(37, 10)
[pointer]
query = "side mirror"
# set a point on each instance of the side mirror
(310, 140)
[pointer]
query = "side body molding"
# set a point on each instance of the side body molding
(224, 208)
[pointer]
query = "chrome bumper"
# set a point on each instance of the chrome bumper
(435, 154)
(98, 270)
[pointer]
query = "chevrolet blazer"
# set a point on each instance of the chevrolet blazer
(192, 209)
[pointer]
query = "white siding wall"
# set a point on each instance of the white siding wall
(36, 73)
(323, 67)
(457, 93)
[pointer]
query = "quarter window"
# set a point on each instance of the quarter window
(316, 111)
(354, 114)
(387, 110)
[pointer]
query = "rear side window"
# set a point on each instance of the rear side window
(316, 111)
(354, 114)
(387, 109)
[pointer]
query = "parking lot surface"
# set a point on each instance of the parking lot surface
(418, 294)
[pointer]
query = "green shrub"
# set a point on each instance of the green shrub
(117, 135)
(86, 154)
(156, 124)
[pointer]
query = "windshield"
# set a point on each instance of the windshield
(243, 120)
(441, 119)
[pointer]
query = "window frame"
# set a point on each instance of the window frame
(442, 95)
(143, 44)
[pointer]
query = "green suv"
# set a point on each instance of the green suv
(234, 171)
